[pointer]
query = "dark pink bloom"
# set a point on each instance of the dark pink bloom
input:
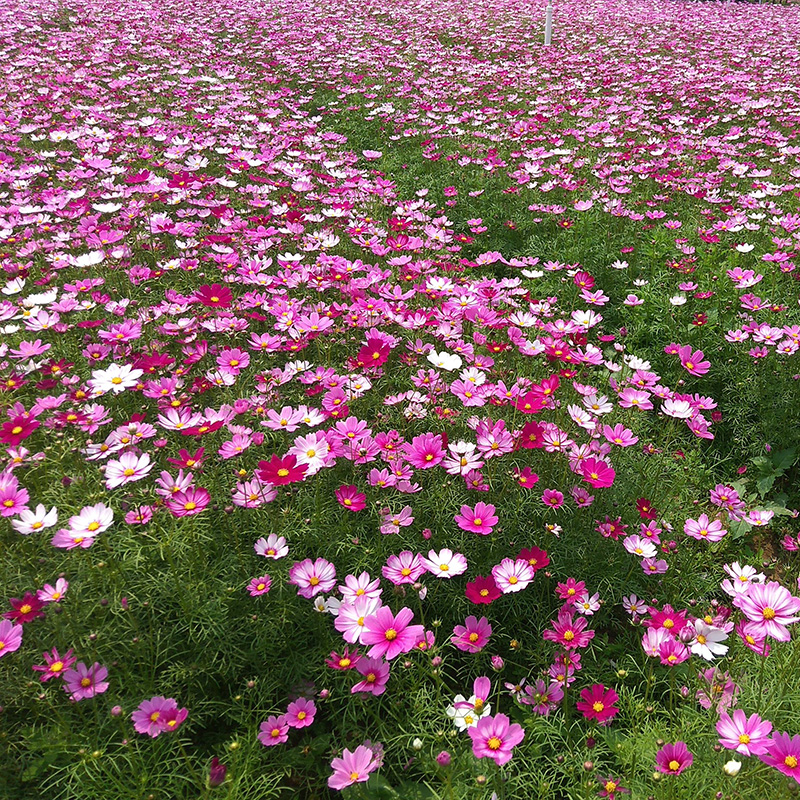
(350, 498)
(375, 673)
(783, 753)
(598, 703)
(597, 473)
(54, 664)
(425, 451)
(672, 759)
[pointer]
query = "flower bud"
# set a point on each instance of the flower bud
(498, 663)
(216, 775)
(116, 711)
(732, 767)
(443, 759)
(417, 744)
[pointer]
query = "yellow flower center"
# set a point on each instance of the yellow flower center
(598, 706)
(493, 743)
(92, 526)
(390, 635)
(674, 765)
(768, 613)
(569, 636)
(790, 761)
(744, 739)
(86, 682)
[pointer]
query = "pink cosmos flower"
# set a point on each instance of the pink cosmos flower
(84, 682)
(405, 567)
(552, 498)
(350, 498)
(352, 767)
(543, 698)
(783, 753)
(481, 519)
(13, 499)
(495, 738)
(390, 635)
(693, 361)
(770, 607)
(189, 502)
(619, 435)
(158, 715)
(300, 713)
(568, 632)
(512, 575)
(746, 735)
(312, 577)
(54, 664)
(672, 759)
(375, 674)
(598, 703)
(597, 473)
(701, 529)
(259, 586)
(10, 637)
(274, 730)
(127, 469)
(425, 451)
(473, 635)
(445, 563)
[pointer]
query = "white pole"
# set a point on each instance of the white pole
(548, 23)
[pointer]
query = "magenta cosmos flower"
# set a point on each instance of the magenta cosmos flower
(495, 738)
(259, 586)
(54, 664)
(568, 632)
(390, 635)
(473, 635)
(84, 682)
(693, 361)
(597, 473)
(672, 759)
(352, 767)
(189, 502)
(375, 676)
(300, 713)
(425, 451)
(10, 637)
(481, 519)
(158, 715)
(784, 754)
(770, 607)
(350, 498)
(312, 577)
(274, 730)
(598, 703)
(746, 735)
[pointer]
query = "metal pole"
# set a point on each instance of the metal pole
(548, 23)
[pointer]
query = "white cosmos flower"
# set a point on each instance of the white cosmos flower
(33, 521)
(707, 641)
(678, 300)
(445, 360)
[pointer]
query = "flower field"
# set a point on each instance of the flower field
(393, 407)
